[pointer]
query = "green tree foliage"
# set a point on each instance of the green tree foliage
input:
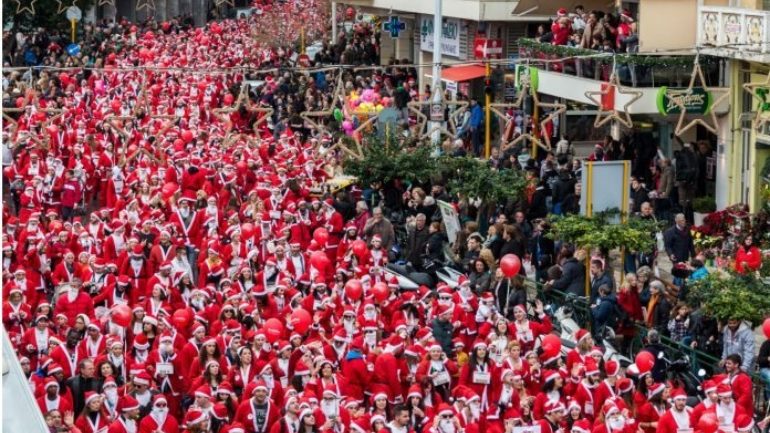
(474, 178)
(599, 231)
(732, 296)
(386, 159)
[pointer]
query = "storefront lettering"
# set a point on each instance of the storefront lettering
(695, 100)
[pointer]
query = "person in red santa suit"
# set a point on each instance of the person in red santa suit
(138, 270)
(553, 414)
(615, 420)
(73, 301)
(552, 390)
(527, 331)
(66, 271)
(29, 201)
(676, 419)
(334, 223)
(445, 421)
(94, 418)
(739, 382)
(52, 400)
(188, 222)
(606, 388)
(160, 419)
(16, 313)
(163, 251)
(584, 392)
(581, 352)
(257, 413)
(436, 367)
(727, 410)
(651, 411)
(86, 244)
(331, 416)
(34, 342)
(93, 344)
(165, 367)
(116, 187)
(478, 373)
(505, 396)
(708, 403)
(129, 414)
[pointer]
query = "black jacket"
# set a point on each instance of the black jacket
(679, 243)
(442, 332)
(79, 385)
(573, 278)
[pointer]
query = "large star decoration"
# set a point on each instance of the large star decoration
(106, 2)
(56, 112)
(712, 126)
(760, 91)
(145, 4)
(451, 122)
(604, 116)
(337, 102)
(28, 6)
(526, 89)
(60, 7)
(219, 3)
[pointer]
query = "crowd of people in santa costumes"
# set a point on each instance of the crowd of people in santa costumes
(209, 291)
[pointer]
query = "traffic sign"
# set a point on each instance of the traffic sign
(486, 48)
(394, 26)
(74, 13)
(73, 49)
(437, 113)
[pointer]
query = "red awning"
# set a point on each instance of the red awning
(463, 73)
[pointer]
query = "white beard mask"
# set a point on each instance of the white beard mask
(72, 294)
(617, 423)
(112, 395)
(268, 378)
(185, 212)
(160, 413)
(330, 409)
(370, 338)
(475, 410)
(350, 325)
(446, 426)
(370, 314)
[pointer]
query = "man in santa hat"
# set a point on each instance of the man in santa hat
(615, 420)
(196, 421)
(584, 394)
(739, 382)
(52, 400)
(445, 420)
(35, 340)
(676, 419)
(712, 399)
(257, 413)
(159, 418)
(289, 423)
(580, 353)
(73, 301)
(527, 331)
(138, 270)
(129, 413)
(727, 410)
(330, 415)
(553, 415)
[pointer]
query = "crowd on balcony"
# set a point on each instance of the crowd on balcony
(593, 30)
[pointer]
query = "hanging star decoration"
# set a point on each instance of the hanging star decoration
(760, 91)
(697, 74)
(219, 3)
(451, 131)
(243, 100)
(27, 7)
(526, 89)
(145, 4)
(60, 7)
(604, 116)
(36, 108)
(337, 102)
(106, 2)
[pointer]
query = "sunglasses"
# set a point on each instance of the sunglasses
(446, 416)
(161, 405)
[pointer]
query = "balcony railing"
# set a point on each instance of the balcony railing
(635, 70)
(744, 30)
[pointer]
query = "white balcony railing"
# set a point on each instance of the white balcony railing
(734, 28)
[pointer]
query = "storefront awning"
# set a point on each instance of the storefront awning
(458, 74)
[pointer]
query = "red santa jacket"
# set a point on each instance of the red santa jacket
(669, 423)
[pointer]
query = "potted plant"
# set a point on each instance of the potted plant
(701, 207)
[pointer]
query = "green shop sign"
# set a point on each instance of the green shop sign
(524, 70)
(696, 100)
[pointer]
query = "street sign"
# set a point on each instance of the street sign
(394, 26)
(486, 48)
(73, 49)
(437, 113)
(74, 13)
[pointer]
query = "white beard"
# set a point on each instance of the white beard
(184, 212)
(370, 339)
(370, 315)
(112, 396)
(446, 426)
(330, 410)
(144, 398)
(72, 295)
(475, 411)
(350, 326)
(269, 380)
(617, 423)
(160, 414)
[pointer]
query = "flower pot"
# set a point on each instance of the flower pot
(698, 218)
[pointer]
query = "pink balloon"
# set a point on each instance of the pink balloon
(510, 265)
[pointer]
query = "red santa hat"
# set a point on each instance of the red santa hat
(553, 406)
(744, 423)
(609, 408)
(89, 396)
(678, 394)
(550, 375)
(127, 403)
(195, 416)
(109, 381)
(625, 385)
(51, 381)
(612, 368)
(581, 334)
(444, 409)
(158, 398)
(141, 342)
(724, 390)
(143, 378)
(709, 386)
(562, 12)
(581, 426)
(655, 389)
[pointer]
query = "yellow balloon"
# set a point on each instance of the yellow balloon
(380, 108)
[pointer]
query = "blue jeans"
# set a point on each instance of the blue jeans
(765, 375)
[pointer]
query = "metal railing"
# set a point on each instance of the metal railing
(736, 28)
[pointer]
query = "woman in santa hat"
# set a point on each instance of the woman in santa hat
(552, 390)
(478, 374)
(94, 418)
(209, 351)
(212, 377)
(436, 368)
(651, 411)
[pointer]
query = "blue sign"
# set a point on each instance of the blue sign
(394, 26)
(73, 49)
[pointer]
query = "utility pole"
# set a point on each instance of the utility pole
(334, 23)
(438, 30)
(487, 116)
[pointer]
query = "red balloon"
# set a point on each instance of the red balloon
(354, 289)
(149, 35)
(19, 102)
(8, 172)
(708, 423)
(644, 361)
(359, 248)
(301, 320)
(228, 99)
(380, 291)
(766, 327)
(319, 260)
(321, 235)
(115, 105)
(187, 135)
(247, 230)
(510, 264)
(181, 318)
(165, 26)
(551, 344)
(273, 330)
(178, 144)
(55, 227)
(169, 189)
(121, 315)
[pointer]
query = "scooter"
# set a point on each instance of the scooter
(678, 370)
